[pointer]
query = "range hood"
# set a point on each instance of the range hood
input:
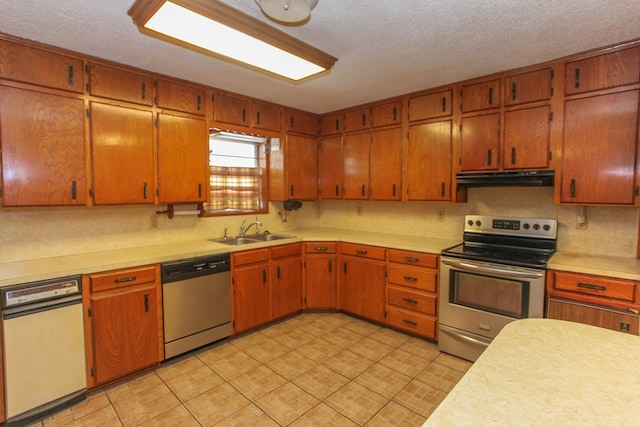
(505, 179)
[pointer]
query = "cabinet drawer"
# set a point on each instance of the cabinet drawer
(593, 315)
(249, 257)
(619, 289)
(320, 247)
(179, 97)
(412, 300)
(372, 252)
(282, 251)
(414, 277)
(121, 278)
(114, 83)
(413, 258)
(413, 322)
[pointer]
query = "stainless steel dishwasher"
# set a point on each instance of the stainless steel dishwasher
(44, 356)
(196, 302)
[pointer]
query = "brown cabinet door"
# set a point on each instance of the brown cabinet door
(389, 113)
(266, 116)
(301, 122)
(251, 296)
(183, 155)
(43, 149)
(357, 120)
(592, 170)
(528, 87)
(231, 109)
(480, 142)
(429, 162)
(123, 85)
(122, 162)
(480, 96)
(180, 97)
(362, 285)
(331, 124)
(604, 71)
(125, 331)
(301, 167)
(320, 281)
(430, 106)
(286, 286)
(526, 138)
(31, 65)
(356, 166)
(330, 168)
(386, 164)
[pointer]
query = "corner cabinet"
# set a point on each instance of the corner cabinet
(123, 323)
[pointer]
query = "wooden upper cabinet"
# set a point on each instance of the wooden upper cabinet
(389, 113)
(429, 161)
(386, 164)
(527, 138)
(599, 153)
(231, 109)
(331, 124)
(31, 65)
(180, 97)
(119, 84)
(430, 106)
(301, 122)
(357, 120)
(528, 87)
(480, 147)
(183, 158)
(603, 71)
(301, 167)
(123, 154)
(330, 168)
(266, 116)
(356, 165)
(43, 149)
(480, 96)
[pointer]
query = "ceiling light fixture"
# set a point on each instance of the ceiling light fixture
(212, 27)
(288, 12)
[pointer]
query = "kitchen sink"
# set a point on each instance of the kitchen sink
(235, 241)
(270, 237)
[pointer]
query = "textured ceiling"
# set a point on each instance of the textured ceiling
(384, 47)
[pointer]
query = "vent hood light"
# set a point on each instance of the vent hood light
(214, 28)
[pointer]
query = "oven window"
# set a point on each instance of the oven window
(495, 295)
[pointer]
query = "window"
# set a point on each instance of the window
(237, 173)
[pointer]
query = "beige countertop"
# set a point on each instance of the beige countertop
(60, 266)
(623, 268)
(543, 372)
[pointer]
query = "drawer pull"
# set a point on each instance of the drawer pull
(410, 301)
(320, 248)
(411, 259)
(410, 278)
(125, 279)
(590, 286)
(409, 322)
(361, 252)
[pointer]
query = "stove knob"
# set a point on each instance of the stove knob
(536, 226)
(526, 226)
(470, 222)
(546, 227)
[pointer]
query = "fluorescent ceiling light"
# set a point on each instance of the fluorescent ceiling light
(215, 28)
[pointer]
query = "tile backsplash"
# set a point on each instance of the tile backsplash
(30, 233)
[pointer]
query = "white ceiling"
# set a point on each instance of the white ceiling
(384, 47)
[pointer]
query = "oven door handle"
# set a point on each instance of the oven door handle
(485, 269)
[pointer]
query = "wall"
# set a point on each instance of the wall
(30, 233)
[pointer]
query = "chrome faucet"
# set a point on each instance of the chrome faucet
(244, 230)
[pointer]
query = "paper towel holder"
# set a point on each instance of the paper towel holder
(171, 211)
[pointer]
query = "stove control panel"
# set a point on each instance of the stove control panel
(508, 226)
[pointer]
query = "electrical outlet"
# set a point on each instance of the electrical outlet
(441, 216)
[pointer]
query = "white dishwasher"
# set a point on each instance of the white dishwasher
(44, 354)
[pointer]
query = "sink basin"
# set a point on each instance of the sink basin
(235, 241)
(270, 237)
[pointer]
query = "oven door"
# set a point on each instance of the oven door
(477, 299)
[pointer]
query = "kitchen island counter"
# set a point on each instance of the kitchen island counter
(544, 372)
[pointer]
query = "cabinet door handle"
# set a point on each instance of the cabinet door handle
(410, 278)
(362, 191)
(513, 155)
(409, 322)
(70, 75)
(143, 91)
(264, 275)
(410, 301)
(278, 272)
(364, 119)
(337, 124)
(411, 259)
(344, 267)
(146, 303)
(199, 190)
(291, 122)
(361, 252)
(244, 115)
(577, 78)
(145, 190)
(74, 190)
(125, 279)
(337, 189)
(320, 248)
(393, 190)
(572, 188)
(513, 91)
(330, 266)
(291, 190)
(198, 103)
(395, 114)
(490, 96)
(258, 117)
(444, 104)
(489, 157)
(592, 287)
(442, 189)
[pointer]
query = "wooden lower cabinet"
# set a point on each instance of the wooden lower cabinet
(412, 292)
(362, 281)
(286, 280)
(592, 315)
(250, 274)
(123, 323)
(320, 275)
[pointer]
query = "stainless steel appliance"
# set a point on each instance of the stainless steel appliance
(496, 275)
(196, 302)
(44, 353)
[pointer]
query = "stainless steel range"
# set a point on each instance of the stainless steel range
(495, 276)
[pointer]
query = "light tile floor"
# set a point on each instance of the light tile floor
(315, 369)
